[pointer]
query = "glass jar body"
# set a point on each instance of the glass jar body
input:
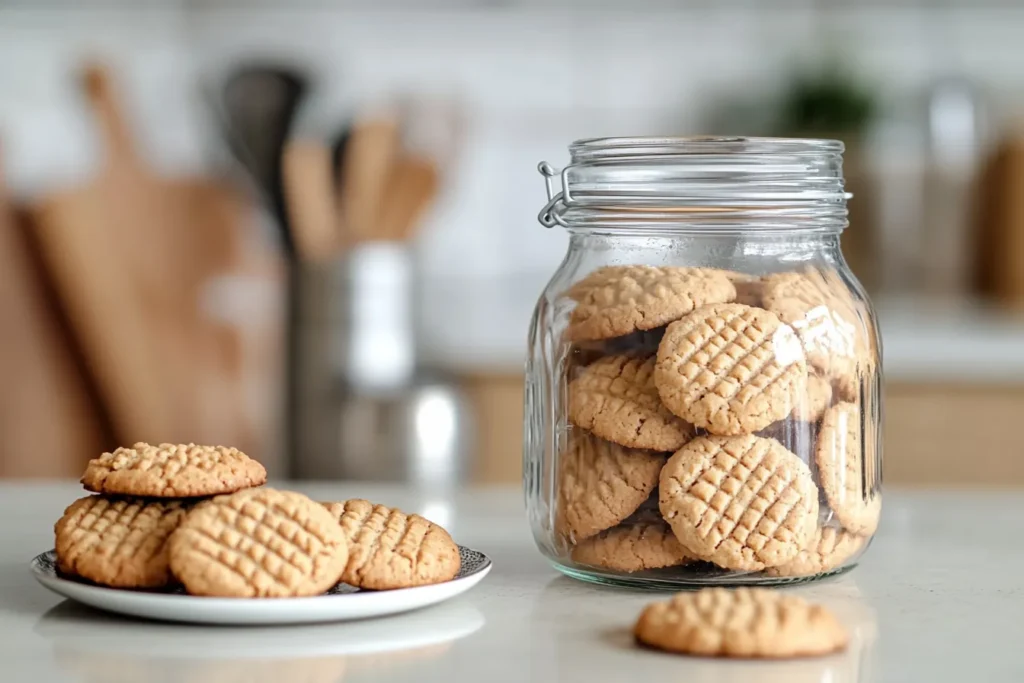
(703, 407)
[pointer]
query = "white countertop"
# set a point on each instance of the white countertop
(938, 598)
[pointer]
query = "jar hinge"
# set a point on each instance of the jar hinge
(551, 214)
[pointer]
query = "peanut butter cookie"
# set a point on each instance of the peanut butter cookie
(601, 483)
(120, 542)
(644, 541)
(617, 300)
(830, 549)
(847, 480)
(730, 368)
(391, 549)
(815, 400)
(259, 543)
(745, 622)
(742, 502)
(823, 314)
(616, 399)
(173, 471)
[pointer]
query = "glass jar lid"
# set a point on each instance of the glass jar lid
(763, 183)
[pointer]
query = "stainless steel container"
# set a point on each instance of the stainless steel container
(365, 409)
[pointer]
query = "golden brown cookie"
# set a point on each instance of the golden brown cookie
(848, 484)
(622, 299)
(829, 550)
(745, 622)
(601, 483)
(616, 399)
(644, 541)
(814, 401)
(730, 368)
(748, 287)
(119, 542)
(391, 549)
(259, 543)
(742, 502)
(173, 471)
(823, 314)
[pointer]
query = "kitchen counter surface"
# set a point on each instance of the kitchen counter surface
(938, 598)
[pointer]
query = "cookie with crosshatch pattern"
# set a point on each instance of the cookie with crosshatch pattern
(601, 483)
(829, 550)
(845, 476)
(119, 542)
(389, 548)
(615, 398)
(258, 543)
(742, 502)
(617, 300)
(743, 622)
(643, 541)
(173, 471)
(730, 369)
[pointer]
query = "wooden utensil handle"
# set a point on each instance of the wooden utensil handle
(97, 85)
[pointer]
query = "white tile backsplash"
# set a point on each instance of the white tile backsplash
(531, 80)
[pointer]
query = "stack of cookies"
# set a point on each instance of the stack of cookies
(716, 416)
(194, 515)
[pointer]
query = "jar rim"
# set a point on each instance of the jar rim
(667, 181)
(588, 149)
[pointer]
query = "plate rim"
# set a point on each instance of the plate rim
(43, 576)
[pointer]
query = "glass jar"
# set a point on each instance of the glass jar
(703, 382)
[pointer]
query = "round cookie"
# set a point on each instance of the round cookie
(173, 471)
(601, 483)
(822, 313)
(745, 622)
(742, 502)
(388, 548)
(830, 549)
(841, 469)
(815, 400)
(730, 368)
(642, 542)
(616, 399)
(120, 542)
(258, 543)
(617, 300)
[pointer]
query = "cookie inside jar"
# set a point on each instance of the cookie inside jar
(706, 407)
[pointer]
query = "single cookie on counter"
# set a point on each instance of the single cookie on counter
(616, 399)
(830, 549)
(730, 369)
(742, 502)
(388, 548)
(842, 470)
(744, 622)
(119, 542)
(173, 471)
(618, 300)
(258, 543)
(601, 483)
(643, 541)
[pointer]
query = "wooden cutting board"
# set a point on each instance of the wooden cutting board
(129, 253)
(50, 421)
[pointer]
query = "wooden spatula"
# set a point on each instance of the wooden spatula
(369, 155)
(412, 186)
(309, 197)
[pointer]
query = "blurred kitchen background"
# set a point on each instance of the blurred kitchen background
(308, 229)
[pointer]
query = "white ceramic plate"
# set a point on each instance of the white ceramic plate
(341, 603)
